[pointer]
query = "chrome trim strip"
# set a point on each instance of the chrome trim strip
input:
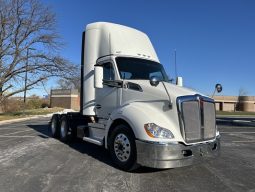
(179, 142)
(159, 143)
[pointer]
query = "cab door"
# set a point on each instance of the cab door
(107, 97)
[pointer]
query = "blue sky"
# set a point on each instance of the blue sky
(215, 40)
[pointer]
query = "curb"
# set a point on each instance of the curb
(4, 122)
(34, 117)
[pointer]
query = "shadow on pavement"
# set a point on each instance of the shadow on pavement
(92, 150)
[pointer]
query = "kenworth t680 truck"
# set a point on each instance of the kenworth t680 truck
(129, 106)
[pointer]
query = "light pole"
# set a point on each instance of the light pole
(25, 88)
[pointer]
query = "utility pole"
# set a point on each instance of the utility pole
(25, 88)
(175, 66)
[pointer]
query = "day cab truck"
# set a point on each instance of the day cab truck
(129, 106)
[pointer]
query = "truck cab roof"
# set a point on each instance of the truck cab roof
(114, 39)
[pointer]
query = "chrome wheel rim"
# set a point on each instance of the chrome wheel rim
(122, 147)
(63, 129)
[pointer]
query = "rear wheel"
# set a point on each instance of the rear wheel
(54, 126)
(64, 129)
(122, 147)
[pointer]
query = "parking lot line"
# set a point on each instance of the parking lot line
(251, 141)
(21, 128)
(18, 132)
(17, 136)
(242, 121)
(238, 132)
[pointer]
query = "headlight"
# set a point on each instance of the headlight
(156, 131)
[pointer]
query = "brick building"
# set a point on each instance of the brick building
(65, 98)
(235, 103)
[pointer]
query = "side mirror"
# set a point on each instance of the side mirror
(98, 77)
(179, 81)
(218, 87)
(154, 81)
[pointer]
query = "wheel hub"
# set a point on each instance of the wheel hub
(122, 147)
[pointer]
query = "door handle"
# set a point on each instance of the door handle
(98, 106)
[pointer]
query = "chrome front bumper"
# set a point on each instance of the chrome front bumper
(170, 155)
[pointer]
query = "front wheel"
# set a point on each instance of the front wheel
(122, 147)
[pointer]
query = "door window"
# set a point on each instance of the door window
(108, 71)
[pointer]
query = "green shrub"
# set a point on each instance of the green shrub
(45, 105)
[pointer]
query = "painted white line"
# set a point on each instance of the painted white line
(16, 136)
(252, 141)
(18, 132)
(237, 132)
(235, 127)
(4, 122)
(12, 128)
(242, 121)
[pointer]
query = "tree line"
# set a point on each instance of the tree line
(30, 48)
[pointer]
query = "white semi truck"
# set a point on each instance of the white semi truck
(129, 106)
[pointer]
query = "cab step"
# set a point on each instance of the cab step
(93, 140)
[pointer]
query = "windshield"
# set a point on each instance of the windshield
(133, 68)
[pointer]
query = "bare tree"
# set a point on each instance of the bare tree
(72, 81)
(241, 94)
(29, 46)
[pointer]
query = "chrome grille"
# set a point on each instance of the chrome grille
(191, 120)
(209, 121)
(197, 118)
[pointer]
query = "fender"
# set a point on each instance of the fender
(136, 114)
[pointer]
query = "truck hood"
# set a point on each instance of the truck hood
(150, 104)
(152, 93)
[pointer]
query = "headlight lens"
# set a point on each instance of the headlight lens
(156, 131)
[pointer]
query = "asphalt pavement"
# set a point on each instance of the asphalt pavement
(32, 161)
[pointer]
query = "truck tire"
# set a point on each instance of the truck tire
(122, 147)
(64, 129)
(54, 126)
